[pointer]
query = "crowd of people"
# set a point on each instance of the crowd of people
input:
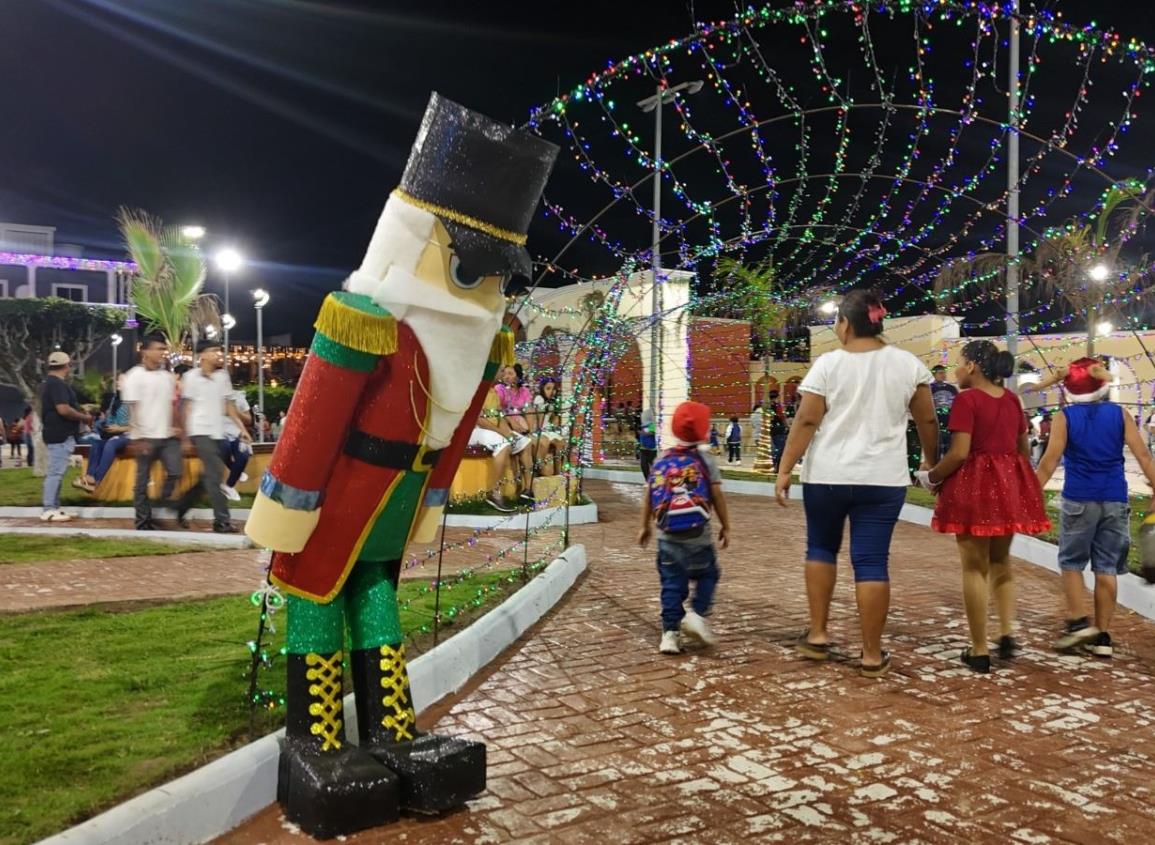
(975, 456)
(157, 413)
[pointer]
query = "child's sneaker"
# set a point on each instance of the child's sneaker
(671, 643)
(1079, 632)
(696, 627)
(1101, 646)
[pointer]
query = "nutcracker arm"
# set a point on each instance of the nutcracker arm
(353, 334)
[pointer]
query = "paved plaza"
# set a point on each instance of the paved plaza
(595, 738)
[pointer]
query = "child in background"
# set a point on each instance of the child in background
(734, 442)
(715, 440)
(684, 487)
(989, 493)
(1088, 436)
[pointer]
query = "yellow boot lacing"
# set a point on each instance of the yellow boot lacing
(393, 679)
(328, 691)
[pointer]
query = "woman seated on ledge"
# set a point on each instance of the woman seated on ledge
(113, 431)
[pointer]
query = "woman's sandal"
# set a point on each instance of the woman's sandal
(876, 671)
(812, 651)
(980, 663)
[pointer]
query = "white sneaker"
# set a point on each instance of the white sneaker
(230, 493)
(696, 627)
(671, 643)
(55, 516)
(244, 477)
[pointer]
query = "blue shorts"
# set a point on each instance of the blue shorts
(872, 511)
(1098, 532)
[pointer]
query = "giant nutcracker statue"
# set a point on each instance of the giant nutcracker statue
(395, 379)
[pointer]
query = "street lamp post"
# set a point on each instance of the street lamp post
(1098, 274)
(116, 340)
(228, 262)
(260, 300)
(660, 98)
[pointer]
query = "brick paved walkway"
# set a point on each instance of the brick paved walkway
(595, 738)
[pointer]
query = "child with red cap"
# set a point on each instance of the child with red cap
(1095, 519)
(684, 487)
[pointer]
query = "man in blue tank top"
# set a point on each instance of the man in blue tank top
(1095, 525)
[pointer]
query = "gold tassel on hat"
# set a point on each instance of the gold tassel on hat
(502, 352)
(355, 321)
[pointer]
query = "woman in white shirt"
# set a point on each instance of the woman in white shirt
(851, 425)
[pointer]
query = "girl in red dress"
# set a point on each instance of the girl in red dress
(989, 492)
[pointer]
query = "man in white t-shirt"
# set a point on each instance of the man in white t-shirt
(150, 394)
(206, 399)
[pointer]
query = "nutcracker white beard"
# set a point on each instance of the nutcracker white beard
(455, 333)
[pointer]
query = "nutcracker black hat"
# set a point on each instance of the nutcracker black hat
(483, 180)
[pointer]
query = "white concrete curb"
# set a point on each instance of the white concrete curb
(216, 798)
(192, 538)
(578, 515)
(117, 513)
(1134, 593)
(554, 517)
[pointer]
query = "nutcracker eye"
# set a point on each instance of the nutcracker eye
(463, 277)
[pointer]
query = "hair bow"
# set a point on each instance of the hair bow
(875, 313)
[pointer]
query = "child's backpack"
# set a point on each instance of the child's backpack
(680, 491)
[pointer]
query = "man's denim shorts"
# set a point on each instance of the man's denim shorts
(1095, 532)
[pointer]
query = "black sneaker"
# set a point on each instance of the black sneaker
(147, 525)
(1101, 646)
(980, 663)
(1079, 632)
(1008, 648)
(498, 503)
(224, 528)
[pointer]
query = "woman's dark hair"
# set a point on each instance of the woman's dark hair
(864, 311)
(992, 362)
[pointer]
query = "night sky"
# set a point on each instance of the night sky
(281, 126)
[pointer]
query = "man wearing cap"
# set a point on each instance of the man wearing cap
(943, 393)
(400, 366)
(61, 417)
(206, 394)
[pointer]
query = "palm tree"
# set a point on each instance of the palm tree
(166, 290)
(1057, 268)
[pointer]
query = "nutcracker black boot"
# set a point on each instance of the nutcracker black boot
(437, 773)
(325, 785)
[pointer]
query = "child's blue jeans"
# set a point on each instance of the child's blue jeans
(678, 565)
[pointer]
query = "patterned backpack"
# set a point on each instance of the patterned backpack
(680, 491)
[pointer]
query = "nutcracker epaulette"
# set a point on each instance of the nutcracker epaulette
(355, 321)
(502, 352)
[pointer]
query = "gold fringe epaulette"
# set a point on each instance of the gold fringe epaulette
(501, 353)
(355, 321)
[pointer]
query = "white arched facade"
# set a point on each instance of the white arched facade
(565, 310)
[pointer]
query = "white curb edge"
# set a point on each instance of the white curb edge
(215, 798)
(184, 538)
(1134, 593)
(578, 515)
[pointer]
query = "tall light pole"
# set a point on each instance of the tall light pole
(227, 322)
(1013, 191)
(229, 261)
(260, 300)
(115, 340)
(662, 96)
(1098, 274)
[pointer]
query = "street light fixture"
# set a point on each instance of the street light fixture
(228, 262)
(115, 340)
(1099, 273)
(227, 322)
(1104, 328)
(260, 300)
(192, 233)
(829, 308)
(653, 103)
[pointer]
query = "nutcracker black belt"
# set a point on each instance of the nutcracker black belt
(392, 454)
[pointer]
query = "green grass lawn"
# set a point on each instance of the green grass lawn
(100, 704)
(28, 548)
(20, 488)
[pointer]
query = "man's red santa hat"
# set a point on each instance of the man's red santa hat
(1087, 380)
